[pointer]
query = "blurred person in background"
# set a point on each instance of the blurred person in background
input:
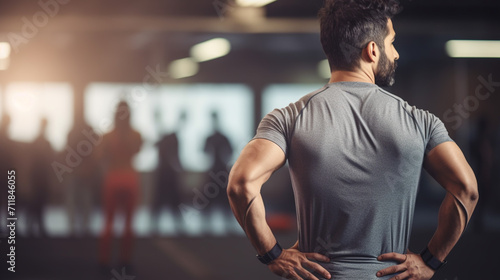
(41, 171)
(168, 182)
(218, 148)
(121, 184)
(83, 183)
(355, 153)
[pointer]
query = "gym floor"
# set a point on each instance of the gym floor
(209, 257)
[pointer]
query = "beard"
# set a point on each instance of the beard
(386, 71)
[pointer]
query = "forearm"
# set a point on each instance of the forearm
(250, 212)
(452, 220)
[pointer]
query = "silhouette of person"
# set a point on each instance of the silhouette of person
(82, 182)
(482, 154)
(168, 184)
(218, 147)
(121, 183)
(43, 155)
(6, 164)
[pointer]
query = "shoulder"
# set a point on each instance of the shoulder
(312, 97)
(294, 109)
(389, 96)
(410, 109)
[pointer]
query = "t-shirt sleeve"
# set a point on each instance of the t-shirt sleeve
(275, 128)
(434, 130)
(438, 135)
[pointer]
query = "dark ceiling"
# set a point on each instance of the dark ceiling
(116, 40)
(207, 8)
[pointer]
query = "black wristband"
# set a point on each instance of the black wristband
(270, 256)
(430, 260)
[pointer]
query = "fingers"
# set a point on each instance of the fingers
(392, 257)
(391, 270)
(413, 268)
(306, 274)
(295, 276)
(297, 265)
(401, 276)
(317, 257)
(314, 267)
(292, 276)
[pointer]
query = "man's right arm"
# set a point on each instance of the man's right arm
(258, 160)
(447, 164)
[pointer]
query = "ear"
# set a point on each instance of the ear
(371, 52)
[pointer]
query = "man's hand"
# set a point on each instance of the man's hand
(293, 264)
(411, 266)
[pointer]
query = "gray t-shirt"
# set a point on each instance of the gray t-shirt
(355, 153)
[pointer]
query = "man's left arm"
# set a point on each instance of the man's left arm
(447, 164)
(258, 160)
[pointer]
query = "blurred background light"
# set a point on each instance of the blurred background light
(4, 50)
(281, 95)
(473, 48)
(27, 103)
(4, 55)
(211, 49)
(324, 69)
(183, 68)
(253, 3)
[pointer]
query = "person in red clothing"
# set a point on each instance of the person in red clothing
(121, 182)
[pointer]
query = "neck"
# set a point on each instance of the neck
(358, 75)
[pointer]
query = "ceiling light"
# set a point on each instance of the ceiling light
(253, 3)
(4, 50)
(4, 55)
(183, 68)
(210, 49)
(324, 69)
(473, 48)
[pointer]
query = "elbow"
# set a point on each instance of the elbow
(474, 196)
(238, 188)
(232, 191)
(470, 190)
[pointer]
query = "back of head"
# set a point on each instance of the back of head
(43, 125)
(347, 26)
(4, 124)
(215, 120)
(122, 116)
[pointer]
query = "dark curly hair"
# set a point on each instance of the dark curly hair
(347, 26)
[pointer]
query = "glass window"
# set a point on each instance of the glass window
(155, 114)
(281, 95)
(28, 103)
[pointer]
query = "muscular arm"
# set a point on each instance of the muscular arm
(448, 166)
(258, 160)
